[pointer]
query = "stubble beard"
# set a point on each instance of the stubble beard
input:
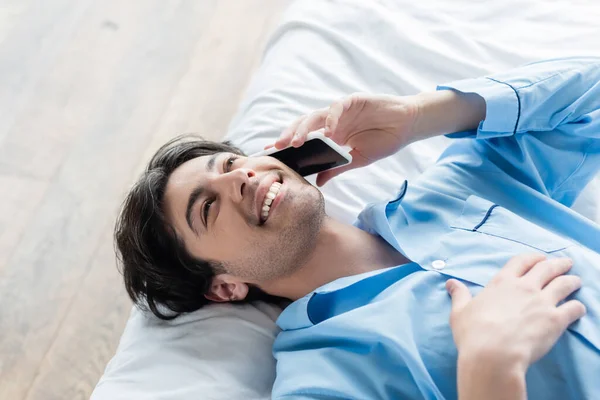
(292, 245)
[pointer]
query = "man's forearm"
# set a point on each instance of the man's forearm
(481, 377)
(447, 111)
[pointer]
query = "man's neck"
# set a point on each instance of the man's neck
(342, 250)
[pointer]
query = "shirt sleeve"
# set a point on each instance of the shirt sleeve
(542, 123)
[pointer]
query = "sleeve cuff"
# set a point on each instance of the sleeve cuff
(502, 106)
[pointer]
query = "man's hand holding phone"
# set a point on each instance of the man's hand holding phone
(377, 126)
(374, 126)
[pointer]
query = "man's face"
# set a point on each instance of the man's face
(255, 216)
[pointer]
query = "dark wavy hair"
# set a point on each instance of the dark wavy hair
(157, 269)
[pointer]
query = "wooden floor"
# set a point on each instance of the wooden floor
(88, 89)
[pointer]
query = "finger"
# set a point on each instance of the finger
(314, 121)
(342, 107)
(325, 176)
(570, 312)
(286, 136)
(358, 161)
(267, 147)
(561, 287)
(543, 272)
(331, 122)
(519, 265)
(459, 293)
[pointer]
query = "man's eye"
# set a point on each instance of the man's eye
(205, 211)
(229, 163)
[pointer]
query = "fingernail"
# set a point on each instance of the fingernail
(568, 261)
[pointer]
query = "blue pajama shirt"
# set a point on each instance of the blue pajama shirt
(498, 191)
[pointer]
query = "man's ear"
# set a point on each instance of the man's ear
(226, 288)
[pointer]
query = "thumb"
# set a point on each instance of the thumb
(459, 293)
(325, 176)
(358, 161)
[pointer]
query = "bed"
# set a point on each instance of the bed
(321, 51)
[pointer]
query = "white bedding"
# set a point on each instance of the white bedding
(321, 51)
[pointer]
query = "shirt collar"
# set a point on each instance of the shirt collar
(340, 296)
(295, 316)
(374, 218)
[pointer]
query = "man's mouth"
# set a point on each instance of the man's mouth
(268, 195)
(268, 202)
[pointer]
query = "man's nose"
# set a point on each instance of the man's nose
(235, 183)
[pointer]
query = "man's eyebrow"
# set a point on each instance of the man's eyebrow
(197, 192)
(210, 165)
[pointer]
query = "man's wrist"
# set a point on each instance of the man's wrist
(446, 111)
(482, 375)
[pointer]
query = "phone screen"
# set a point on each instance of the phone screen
(312, 157)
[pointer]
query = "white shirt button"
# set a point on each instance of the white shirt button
(438, 264)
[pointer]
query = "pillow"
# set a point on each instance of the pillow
(321, 51)
(220, 352)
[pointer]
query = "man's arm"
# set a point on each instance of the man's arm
(536, 97)
(539, 123)
(446, 111)
(480, 377)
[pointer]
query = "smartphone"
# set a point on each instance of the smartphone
(317, 154)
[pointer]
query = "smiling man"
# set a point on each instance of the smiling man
(370, 311)
(221, 210)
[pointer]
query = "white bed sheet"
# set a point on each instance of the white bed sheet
(323, 50)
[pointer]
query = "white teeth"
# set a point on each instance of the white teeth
(271, 194)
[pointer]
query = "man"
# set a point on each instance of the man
(370, 310)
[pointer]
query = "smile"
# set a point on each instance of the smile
(269, 197)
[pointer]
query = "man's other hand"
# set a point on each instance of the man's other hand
(511, 323)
